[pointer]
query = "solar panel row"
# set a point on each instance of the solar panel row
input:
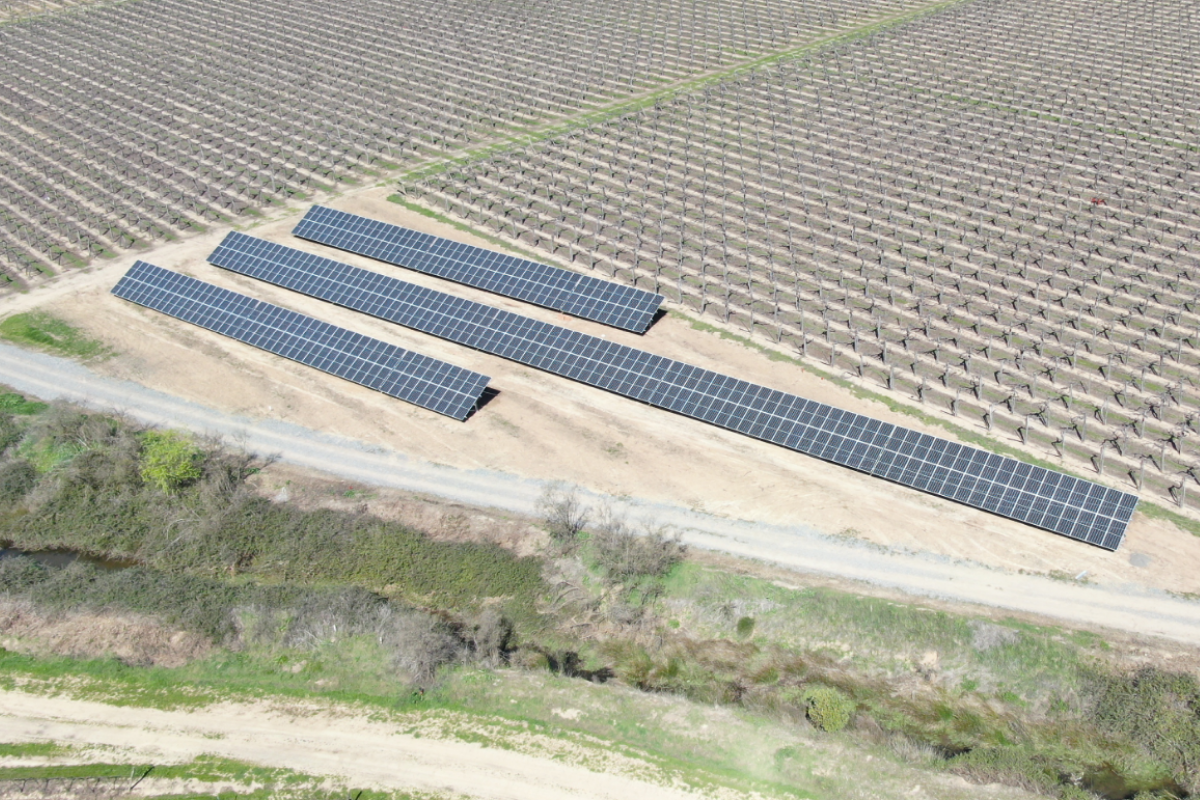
(396, 372)
(562, 290)
(1072, 507)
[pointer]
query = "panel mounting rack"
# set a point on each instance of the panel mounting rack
(559, 289)
(1072, 507)
(403, 374)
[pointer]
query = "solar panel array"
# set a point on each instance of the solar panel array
(396, 372)
(562, 290)
(1048, 499)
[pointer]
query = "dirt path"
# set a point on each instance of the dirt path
(366, 753)
(1128, 607)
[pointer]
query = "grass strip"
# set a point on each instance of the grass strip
(257, 782)
(45, 331)
(532, 134)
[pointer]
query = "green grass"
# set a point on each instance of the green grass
(350, 672)
(32, 750)
(13, 403)
(46, 332)
(877, 636)
(1155, 511)
(46, 456)
(257, 783)
(93, 770)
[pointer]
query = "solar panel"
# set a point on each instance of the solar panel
(1069, 506)
(562, 290)
(396, 372)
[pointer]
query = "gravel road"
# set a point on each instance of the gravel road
(1130, 608)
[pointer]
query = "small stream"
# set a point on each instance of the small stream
(58, 559)
(1108, 783)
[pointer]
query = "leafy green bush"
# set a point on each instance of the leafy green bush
(169, 460)
(745, 627)
(827, 708)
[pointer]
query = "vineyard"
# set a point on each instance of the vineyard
(25, 10)
(125, 124)
(1004, 228)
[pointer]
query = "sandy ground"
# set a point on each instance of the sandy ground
(544, 427)
(383, 755)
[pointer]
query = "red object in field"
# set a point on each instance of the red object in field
(1097, 201)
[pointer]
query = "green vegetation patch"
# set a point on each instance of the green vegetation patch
(827, 708)
(13, 403)
(170, 460)
(883, 636)
(47, 332)
(253, 782)
(31, 750)
(168, 502)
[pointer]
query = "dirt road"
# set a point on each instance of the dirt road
(364, 752)
(1131, 608)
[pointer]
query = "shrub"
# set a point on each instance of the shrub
(1014, 766)
(17, 477)
(492, 636)
(419, 643)
(1158, 710)
(745, 627)
(985, 635)
(169, 460)
(10, 431)
(20, 573)
(562, 510)
(827, 708)
(626, 556)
